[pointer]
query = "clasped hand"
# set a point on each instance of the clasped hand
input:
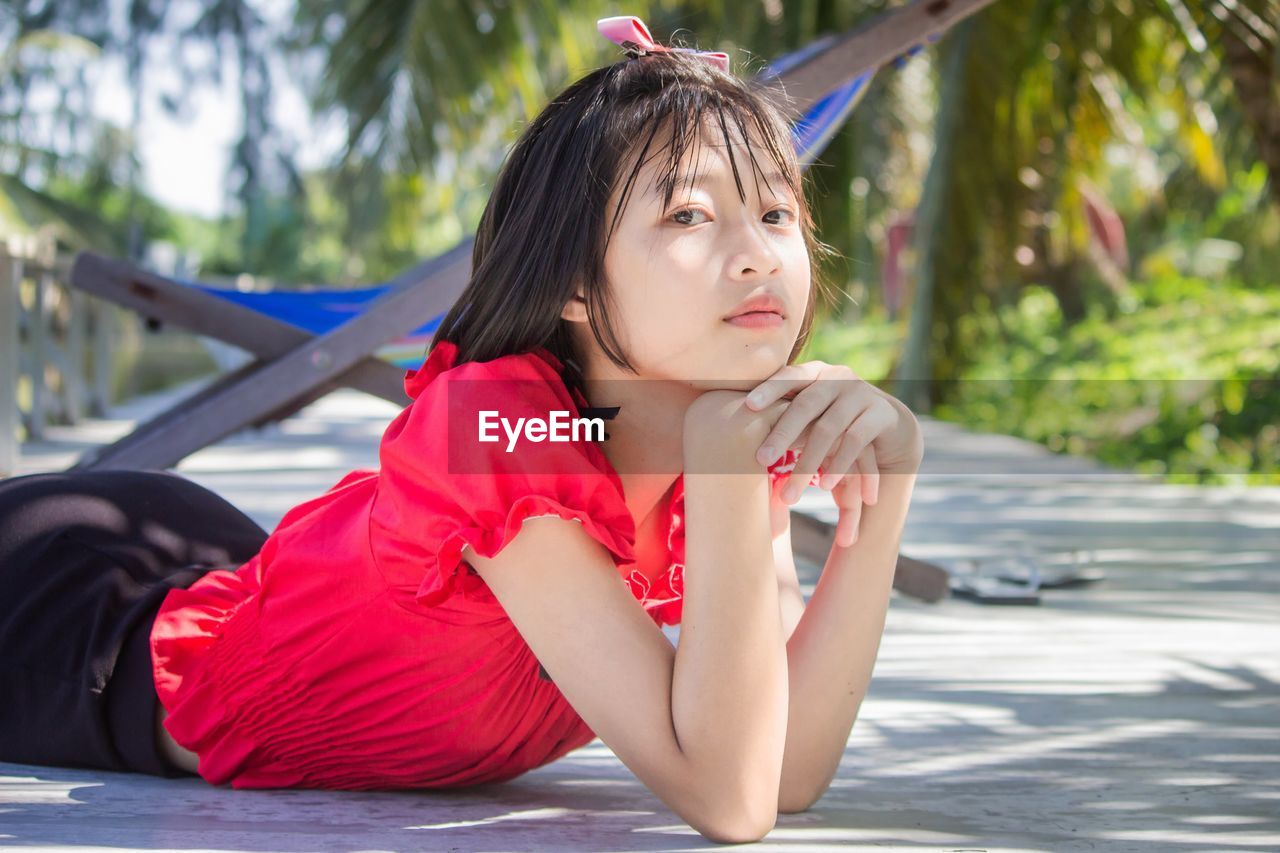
(843, 424)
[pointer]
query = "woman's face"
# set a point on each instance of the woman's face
(676, 272)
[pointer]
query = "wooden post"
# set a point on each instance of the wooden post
(102, 331)
(812, 539)
(911, 382)
(36, 347)
(9, 364)
(73, 384)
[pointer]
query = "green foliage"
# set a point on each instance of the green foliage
(1184, 382)
(1141, 101)
(866, 345)
(1181, 380)
(324, 235)
(112, 205)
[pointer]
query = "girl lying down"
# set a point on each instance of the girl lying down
(476, 608)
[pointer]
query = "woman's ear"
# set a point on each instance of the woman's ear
(575, 310)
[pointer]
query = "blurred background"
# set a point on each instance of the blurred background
(1061, 221)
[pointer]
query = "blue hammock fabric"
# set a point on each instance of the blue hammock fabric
(318, 311)
(815, 129)
(322, 310)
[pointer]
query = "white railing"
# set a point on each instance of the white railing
(56, 352)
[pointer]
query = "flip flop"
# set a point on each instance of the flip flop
(1045, 572)
(1064, 578)
(993, 590)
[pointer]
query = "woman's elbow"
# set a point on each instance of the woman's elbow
(732, 806)
(735, 820)
(744, 830)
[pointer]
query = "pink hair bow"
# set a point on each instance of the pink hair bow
(630, 32)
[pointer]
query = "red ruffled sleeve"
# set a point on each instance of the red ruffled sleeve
(442, 487)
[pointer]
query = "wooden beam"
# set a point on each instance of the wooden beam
(155, 297)
(868, 47)
(812, 538)
(262, 388)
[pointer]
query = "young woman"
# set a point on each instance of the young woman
(477, 608)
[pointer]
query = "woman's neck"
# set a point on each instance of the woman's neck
(646, 437)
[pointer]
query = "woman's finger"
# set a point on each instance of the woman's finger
(781, 383)
(832, 404)
(841, 464)
(849, 499)
(829, 476)
(870, 475)
(822, 436)
(856, 436)
(809, 404)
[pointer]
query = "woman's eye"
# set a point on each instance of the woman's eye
(783, 211)
(689, 210)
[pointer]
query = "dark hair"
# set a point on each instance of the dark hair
(543, 234)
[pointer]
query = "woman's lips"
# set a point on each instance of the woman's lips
(757, 320)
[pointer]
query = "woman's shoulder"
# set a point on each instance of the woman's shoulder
(512, 413)
(441, 373)
(482, 447)
(483, 432)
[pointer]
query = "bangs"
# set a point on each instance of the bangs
(686, 117)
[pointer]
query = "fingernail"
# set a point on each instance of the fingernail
(766, 455)
(754, 399)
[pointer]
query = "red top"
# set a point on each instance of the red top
(356, 650)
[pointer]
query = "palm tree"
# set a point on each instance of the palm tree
(1030, 98)
(57, 34)
(49, 60)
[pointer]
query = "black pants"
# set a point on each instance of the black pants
(86, 557)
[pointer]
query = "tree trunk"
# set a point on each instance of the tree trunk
(1253, 75)
(911, 377)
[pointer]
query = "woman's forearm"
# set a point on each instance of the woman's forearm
(833, 650)
(729, 690)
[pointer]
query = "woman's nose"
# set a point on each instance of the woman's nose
(756, 254)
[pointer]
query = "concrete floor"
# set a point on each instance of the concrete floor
(1142, 713)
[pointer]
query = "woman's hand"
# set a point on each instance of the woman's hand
(722, 434)
(844, 424)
